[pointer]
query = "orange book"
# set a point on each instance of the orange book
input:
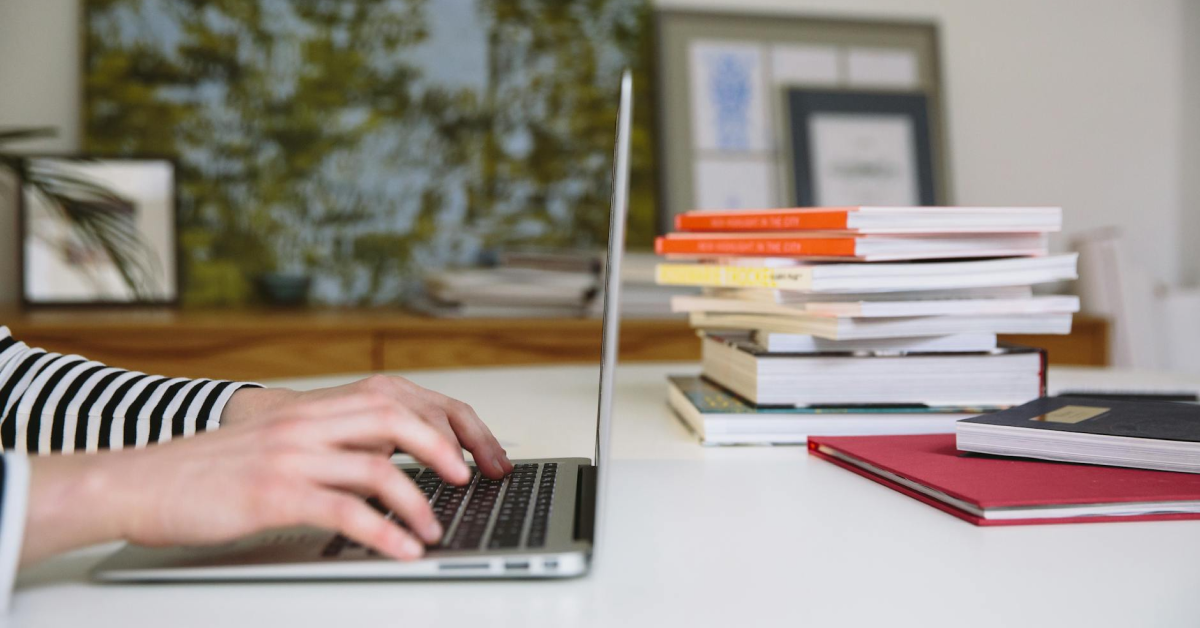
(800, 218)
(877, 219)
(841, 245)
(758, 245)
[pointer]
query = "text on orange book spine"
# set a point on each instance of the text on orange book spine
(762, 221)
(757, 247)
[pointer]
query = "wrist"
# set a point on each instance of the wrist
(249, 403)
(73, 503)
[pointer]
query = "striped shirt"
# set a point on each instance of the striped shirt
(51, 402)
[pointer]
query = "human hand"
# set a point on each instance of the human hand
(310, 463)
(455, 420)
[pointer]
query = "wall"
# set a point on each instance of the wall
(1071, 102)
(1189, 231)
(39, 65)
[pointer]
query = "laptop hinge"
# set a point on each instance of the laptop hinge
(585, 504)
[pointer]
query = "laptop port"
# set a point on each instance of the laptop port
(551, 564)
(517, 566)
(453, 566)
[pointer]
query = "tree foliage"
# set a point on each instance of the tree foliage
(320, 136)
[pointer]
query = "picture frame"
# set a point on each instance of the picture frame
(741, 62)
(859, 148)
(97, 231)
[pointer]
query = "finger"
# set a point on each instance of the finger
(398, 426)
(435, 417)
(351, 516)
(374, 476)
(475, 436)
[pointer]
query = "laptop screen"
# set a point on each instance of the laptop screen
(612, 296)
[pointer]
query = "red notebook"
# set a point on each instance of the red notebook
(990, 491)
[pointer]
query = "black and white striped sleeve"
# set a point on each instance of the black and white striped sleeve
(50, 402)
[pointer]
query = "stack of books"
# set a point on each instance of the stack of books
(884, 317)
(547, 284)
(516, 285)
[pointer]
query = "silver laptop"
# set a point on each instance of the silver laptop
(542, 521)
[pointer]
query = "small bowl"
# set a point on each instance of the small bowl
(285, 289)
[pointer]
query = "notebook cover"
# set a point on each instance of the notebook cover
(932, 461)
(1161, 420)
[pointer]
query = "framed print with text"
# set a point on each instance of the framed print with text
(860, 148)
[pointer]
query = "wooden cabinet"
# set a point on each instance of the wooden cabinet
(264, 345)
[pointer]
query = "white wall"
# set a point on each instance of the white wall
(1189, 233)
(39, 85)
(1072, 102)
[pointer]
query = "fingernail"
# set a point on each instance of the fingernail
(500, 465)
(433, 532)
(410, 548)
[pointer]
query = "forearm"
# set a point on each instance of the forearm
(74, 501)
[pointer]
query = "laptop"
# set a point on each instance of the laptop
(541, 521)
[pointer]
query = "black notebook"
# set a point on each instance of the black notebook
(1141, 434)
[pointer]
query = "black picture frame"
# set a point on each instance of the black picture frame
(801, 104)
(175, 271)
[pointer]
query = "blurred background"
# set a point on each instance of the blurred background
(372, 153)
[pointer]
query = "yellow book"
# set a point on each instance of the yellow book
(873, 277)
(714, 275)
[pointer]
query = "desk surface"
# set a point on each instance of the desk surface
(707, 537)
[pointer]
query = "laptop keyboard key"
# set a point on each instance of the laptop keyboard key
(541, 508)
(510, 520)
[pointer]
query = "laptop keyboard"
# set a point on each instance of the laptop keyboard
(483, 513)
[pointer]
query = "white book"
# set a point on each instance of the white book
(1005, 377)
(792, 297)
(835, 328)
(880, 309)
(804, 343)
(720, 418)
(860, 277)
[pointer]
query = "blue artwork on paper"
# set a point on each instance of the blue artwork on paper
(730, 91)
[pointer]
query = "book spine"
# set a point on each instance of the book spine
(757, 247)
(1045, 370)
(763, 221)
(711, 275)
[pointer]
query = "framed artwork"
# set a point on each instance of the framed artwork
(97, 231)
(859, 148)
(725, 121)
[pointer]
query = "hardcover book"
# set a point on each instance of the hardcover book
(1143, 434)
(989, 491)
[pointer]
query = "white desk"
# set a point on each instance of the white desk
(708, 537)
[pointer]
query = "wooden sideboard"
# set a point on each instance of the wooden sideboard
(275, 344)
